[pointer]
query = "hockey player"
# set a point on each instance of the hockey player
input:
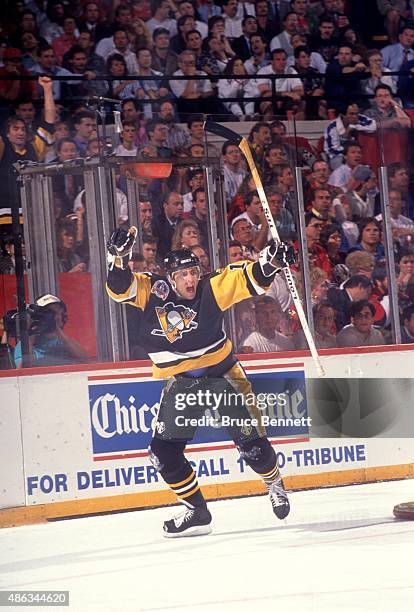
(182, 330)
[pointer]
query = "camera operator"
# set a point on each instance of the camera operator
(48, 344)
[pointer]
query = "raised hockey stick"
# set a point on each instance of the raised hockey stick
(241, 142)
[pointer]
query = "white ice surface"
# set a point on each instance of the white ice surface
(339, 550)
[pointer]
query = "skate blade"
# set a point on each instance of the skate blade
(192, 531)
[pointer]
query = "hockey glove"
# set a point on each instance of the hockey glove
(275, 257)
(120, 246)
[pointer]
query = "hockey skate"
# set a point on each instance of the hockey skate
(279, 499)
(191, 522)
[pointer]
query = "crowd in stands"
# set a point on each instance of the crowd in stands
(306, 59)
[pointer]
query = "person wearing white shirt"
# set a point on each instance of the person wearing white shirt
(401, 225)
(128, 134)
(284, 39)
(189, 93)
(118, 43)
(343, 174)
(267, 339)
(232, 23)
(289, 88)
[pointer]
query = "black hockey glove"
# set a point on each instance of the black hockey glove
(274, 257)
(120, 246)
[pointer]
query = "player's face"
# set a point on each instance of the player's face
(186, 282)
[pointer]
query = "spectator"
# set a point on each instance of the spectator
(236, 88)
(216, 55)
(321, 206)
(274, 156)
(378, 74)
(360, 332)
(157, 133)
(259, 138)
(319, 179)
(14, 147)
(178, 138)
(118, 44)
(95, 63)
(323, 319)
(202, 255)
(163, 59)
(190, 94)
(360, 262)
(349, 227)
(234, 170)
(48, 344)
(343, 78)
(317, 255)
(186, 7)
(165, 224)
(85, 125)
(77, 60)
(235, 251)
(132, 111)
(386, 111)
(242, 45)
(186, 235)
(398, 53)
(61, 44)
(362, 189)
(407, 329)
(342, 175)
(232, 20)
(344, 128)
(259, 57)
(160, 10)
(268, 23)
(185, 24)
(325, 42)
(145, 216)
(195, 177)
(199, 215)
(92, 21)
(267, 338)
(284, 39)
(399, 179)
(369, 238)
(128, 140)
(29, 45)
(47, 65)
(137, 263)
(356, 288)
(242, 232)
(289, 89)
(282, 217)
(252, 213)
(149, 252)
(12, 90)
(405, 84)
(207, 10)
(392, 11)
(154, 89)
(312, 83)
(402, 226)
(284, 183)
(330, 240)
(67, 258)
(67, 186)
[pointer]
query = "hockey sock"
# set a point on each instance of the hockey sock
(261, 457)
(168, 459)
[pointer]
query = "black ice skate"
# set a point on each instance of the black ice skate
(279, 499)
(191, 522)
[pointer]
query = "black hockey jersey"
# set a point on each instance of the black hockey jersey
(183, 335)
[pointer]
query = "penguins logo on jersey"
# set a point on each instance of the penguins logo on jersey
(174, 321)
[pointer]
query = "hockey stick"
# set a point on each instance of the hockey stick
(241, 142)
